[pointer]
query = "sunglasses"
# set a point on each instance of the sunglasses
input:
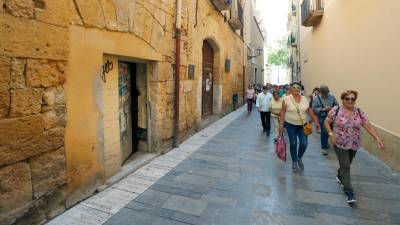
(350, 99)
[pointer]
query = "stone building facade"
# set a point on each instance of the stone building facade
(84, 84)
(294, 47)
(255, 41)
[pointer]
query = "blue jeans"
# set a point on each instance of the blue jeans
(294, 132)
(324, 133)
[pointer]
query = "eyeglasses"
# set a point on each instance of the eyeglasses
(350, 99)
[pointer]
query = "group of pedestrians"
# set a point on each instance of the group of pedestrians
(340, 125)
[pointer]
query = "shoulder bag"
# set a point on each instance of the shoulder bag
(307, 128)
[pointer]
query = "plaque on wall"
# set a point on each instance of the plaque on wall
(191, 72)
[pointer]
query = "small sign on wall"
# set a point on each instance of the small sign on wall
(227, 65)
(191, 72)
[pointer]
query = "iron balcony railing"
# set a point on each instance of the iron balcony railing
(311, 12)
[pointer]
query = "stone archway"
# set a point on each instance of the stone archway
(210, 88)
(207, 80)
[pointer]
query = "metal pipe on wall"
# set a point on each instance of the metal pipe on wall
(177, 69)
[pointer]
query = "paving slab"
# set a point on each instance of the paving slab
(229, 174)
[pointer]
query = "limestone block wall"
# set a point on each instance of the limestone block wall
(51, 54)
(33, 61)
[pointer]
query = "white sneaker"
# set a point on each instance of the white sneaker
(324, 152)
(339, 181)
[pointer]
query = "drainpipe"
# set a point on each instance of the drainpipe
(298, 15)
(177, 69)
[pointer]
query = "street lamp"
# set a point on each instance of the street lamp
(258, 50)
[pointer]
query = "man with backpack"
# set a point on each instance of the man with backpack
(321, 105)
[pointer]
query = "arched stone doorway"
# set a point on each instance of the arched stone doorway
(207, 80)
(210, 63)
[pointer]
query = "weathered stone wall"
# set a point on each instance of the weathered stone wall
(51, 53)
(33, 59)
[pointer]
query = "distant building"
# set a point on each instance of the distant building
(255, 42)
(293, 69)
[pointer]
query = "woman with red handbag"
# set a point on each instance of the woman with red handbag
(295, 108)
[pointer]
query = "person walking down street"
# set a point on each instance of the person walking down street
(275, 109)
(295, 108)
(262, 103)
(282, 91)
(314, 93)
(288, 90)
(322, 104)
(250, 95)
(344, 124)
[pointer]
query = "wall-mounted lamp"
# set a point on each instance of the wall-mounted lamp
(258, 52)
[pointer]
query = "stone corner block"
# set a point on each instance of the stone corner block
(44, 73)
(25, 102)
(19, 8)
(18, 73)
(22, 138)
(16, 191)
(48, 171)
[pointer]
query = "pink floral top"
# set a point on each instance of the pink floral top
(347, 129)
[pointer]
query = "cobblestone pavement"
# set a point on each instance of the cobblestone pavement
(233, 177)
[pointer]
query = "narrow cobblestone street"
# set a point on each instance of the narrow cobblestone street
(234, 177)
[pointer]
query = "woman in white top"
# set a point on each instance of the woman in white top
(295, 108)
(250, 96)
(275, 108)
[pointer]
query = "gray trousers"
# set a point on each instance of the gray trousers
(345, 158)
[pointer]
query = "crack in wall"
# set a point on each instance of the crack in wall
(79, 11)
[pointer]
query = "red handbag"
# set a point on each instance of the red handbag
(280, 147)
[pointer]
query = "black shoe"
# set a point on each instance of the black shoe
(301, 165)
(267, 133)
(264, 130)
(295, 167)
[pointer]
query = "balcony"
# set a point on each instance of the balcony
(292, 40)
(294, 6)
(290, 61)
(236, 16)
(222, 4)
(311, 12)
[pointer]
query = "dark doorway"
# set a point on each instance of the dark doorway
(128, 108)
(207, 82)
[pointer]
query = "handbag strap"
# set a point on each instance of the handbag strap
(334, 117)
(320, 101)
(297, 108)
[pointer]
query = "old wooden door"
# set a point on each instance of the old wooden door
(125, 109)
(207, 82)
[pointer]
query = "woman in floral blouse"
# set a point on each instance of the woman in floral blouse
(346, 122)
